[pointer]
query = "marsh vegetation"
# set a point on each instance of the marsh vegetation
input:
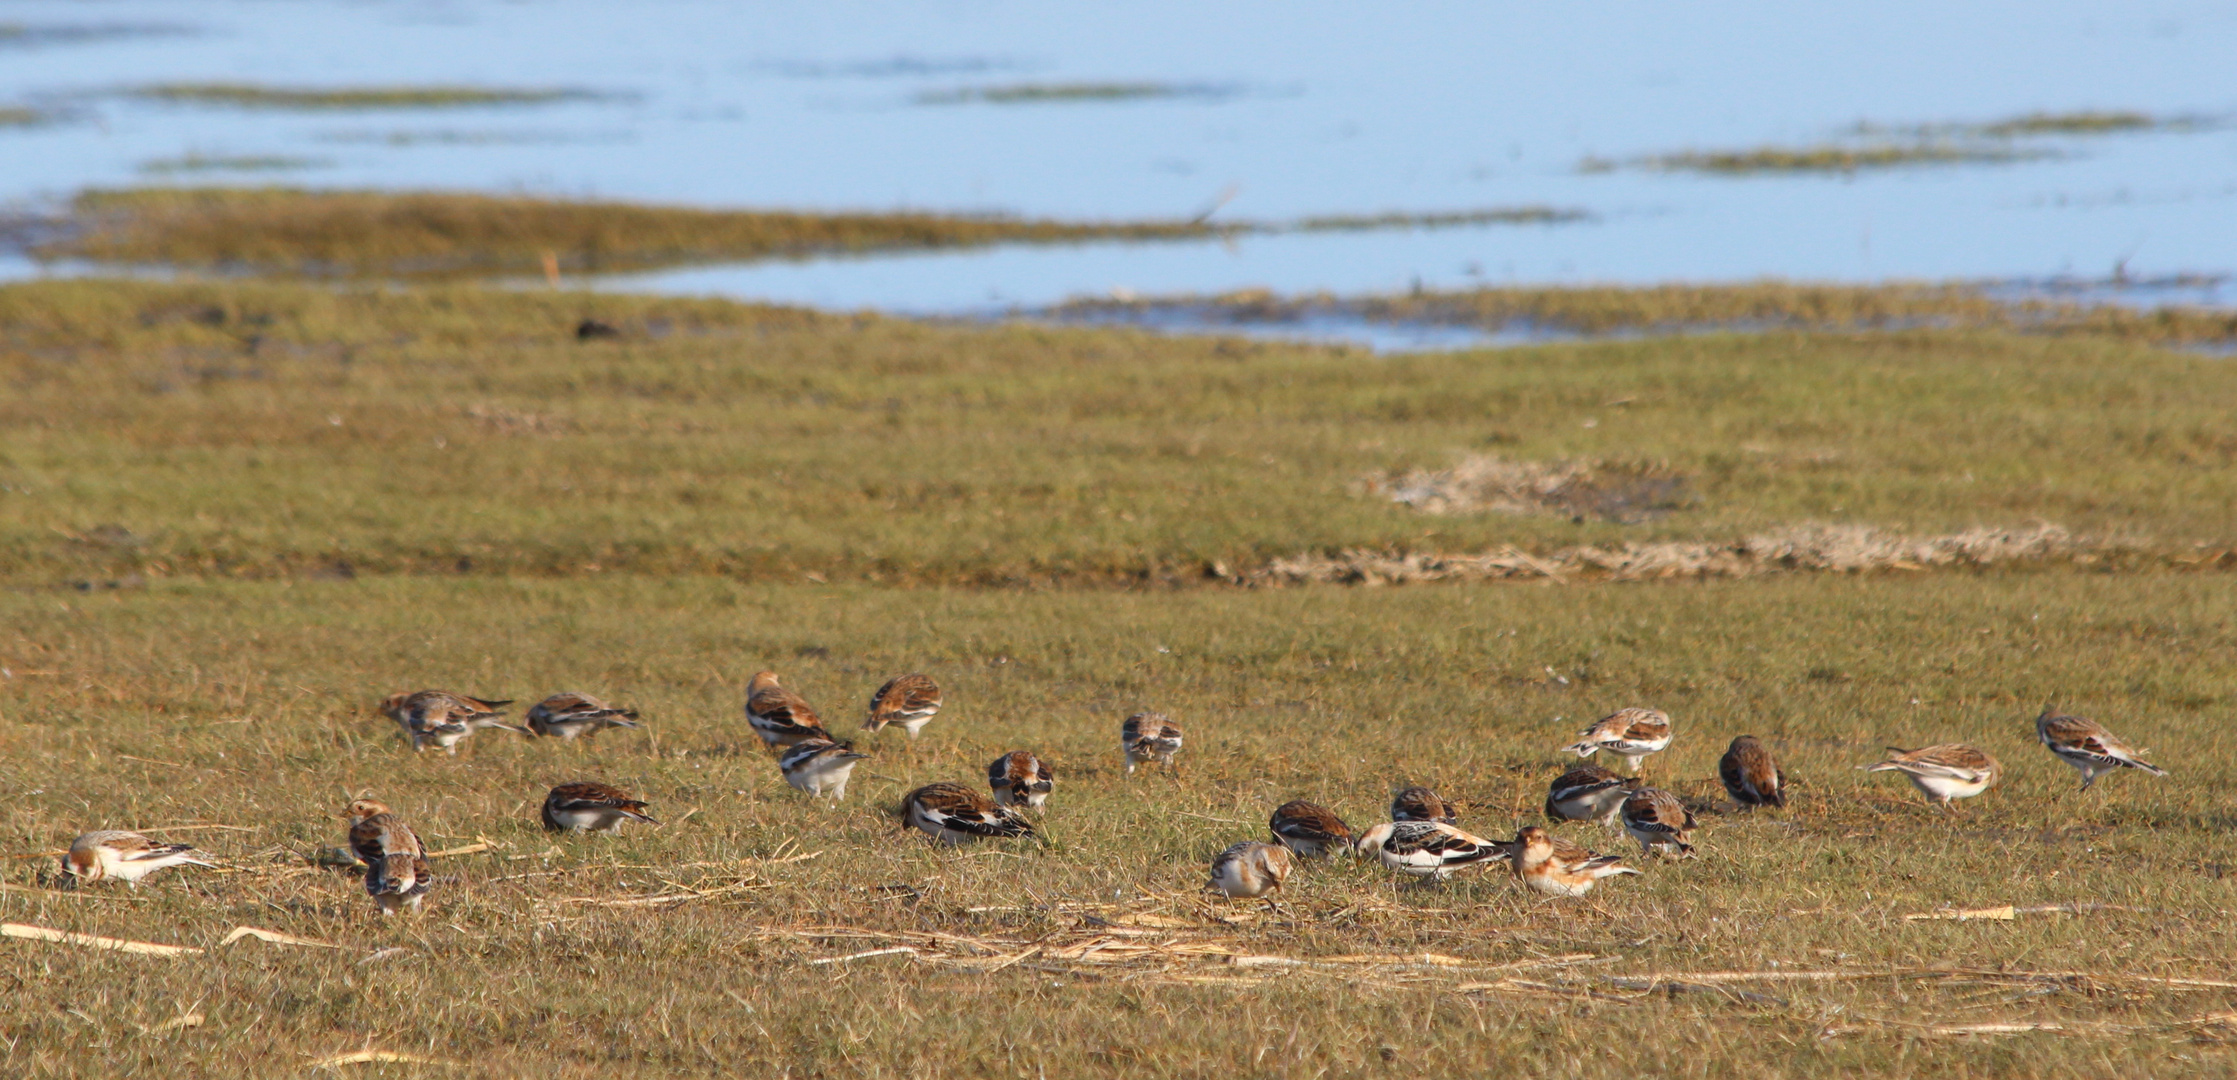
(238, 514)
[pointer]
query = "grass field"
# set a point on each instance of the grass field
(237, 515)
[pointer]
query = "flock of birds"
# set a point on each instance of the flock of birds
(1422, 838)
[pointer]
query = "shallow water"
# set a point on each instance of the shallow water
(1323, 108)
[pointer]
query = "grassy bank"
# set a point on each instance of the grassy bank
(269, 430)
(1751, 306)
(421, 235)
(327, 233)
(247, 706)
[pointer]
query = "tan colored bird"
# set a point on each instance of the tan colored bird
(1149, 737)
(1660, 822)
(567, 715)
(779, 716)
(954, 814)
(906, 701)
(1251, 870)
(395, 861)
(1309, 829)
(1548, 864)
(1422, 804)
(820, 767)
(441, 718)
(125, 856)
(1588, 793)
(1750, 776)
(1944, 772)
(2088, 746)
(1020, 779)
(585, 806)
(1630, 734)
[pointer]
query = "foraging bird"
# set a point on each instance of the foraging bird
(905, 701)
(2087, 746)
(441, 718)
(395, 861)
(1551, 865)
(1945, 772)
(584, 806)
(1310, 829)
(125, 856)
(1588, 793)
(1149, 737)
(1750, 776)
(565, 715)
(1020, 779)
(779, 716)
(1660, 822)
(1630, 734)
(820, 767)
(953, 814)
(1430, 849)
(1422, 804)
(1250, 870)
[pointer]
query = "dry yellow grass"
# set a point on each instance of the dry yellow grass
(757, 933)
(208, 584)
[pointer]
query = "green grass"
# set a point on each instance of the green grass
(248, 705)
(200, 162)
(1505, 215)
(2072, 123)
(1825, 158)
(431, 235)
(234, 515)
(1886, 146)
(258, 96)
(345, 233)
(1073, 93)
(288, 430)
(1749, 306)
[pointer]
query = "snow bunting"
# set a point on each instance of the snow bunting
(1430, 849)
(1588, 793)
(820, 767)
(1149, 737)
(440, 718)
(1750, 776)
(1945, 772)
(1422, 804)
(1659, 822)
(1020, 779)
(1554, 866)
(2087, 746)
(395, 861)
(906, 701)
(125, 856)
(1309, 829)
(584, 806)
(567, 714)
(1630, 734)
(778, 715)
(953, 814)
(1250, 870)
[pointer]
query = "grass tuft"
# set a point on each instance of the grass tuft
(199, 162)
(1075, 93)
(1829, 158)
(356, 233)
(256, 96)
